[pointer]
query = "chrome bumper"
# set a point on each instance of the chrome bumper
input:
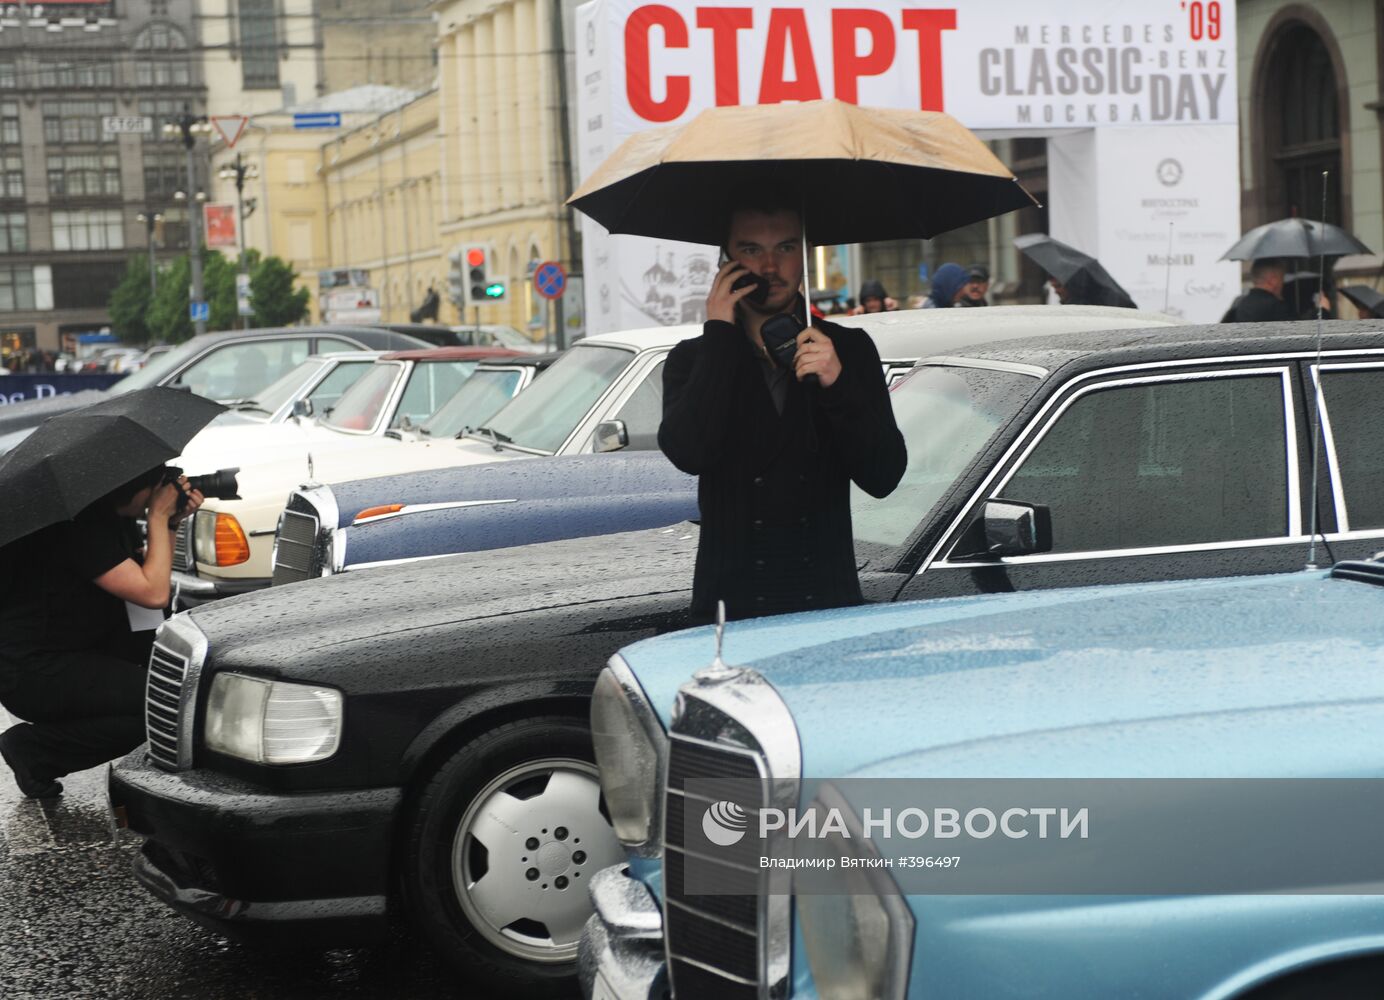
(191, 590)
(621, 955)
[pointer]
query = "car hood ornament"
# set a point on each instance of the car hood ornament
(719, 671)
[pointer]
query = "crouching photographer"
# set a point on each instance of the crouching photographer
(79, 602)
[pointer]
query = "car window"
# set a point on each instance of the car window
(946, 415)
(547, 412)
(1167, 463)
(239, 371)
(327, 393)
(325, 344)
(286, 387)
(1352, 402)
(430, 385)
(474, 403)
(359, 407)
(643, 411)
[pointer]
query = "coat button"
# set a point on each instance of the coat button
(807, 599)
(759, 599)
(759, 564)
(759, 480)
(802, 521)
(802, 478)
(758, 524)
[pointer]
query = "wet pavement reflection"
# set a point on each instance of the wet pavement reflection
(74, 924)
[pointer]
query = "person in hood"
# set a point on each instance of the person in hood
(775, 443)
(947, 284)
(977, 284)
(873, 299)
(1263, 303)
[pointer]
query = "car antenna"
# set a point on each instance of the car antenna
(1168, 268)
(1316, 389)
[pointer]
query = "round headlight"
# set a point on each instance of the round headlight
(631, 750)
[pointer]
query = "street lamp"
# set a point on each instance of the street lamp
(238, 172)
(150, 220)
(189, 127)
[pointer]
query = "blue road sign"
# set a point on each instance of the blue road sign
(199, 310)
(550, 280)
(317, 119)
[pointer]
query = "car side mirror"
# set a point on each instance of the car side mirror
(1005, 528)
(302, 407)
(610, 435)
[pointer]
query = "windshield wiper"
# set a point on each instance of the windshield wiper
(496, 438)
(247, 404)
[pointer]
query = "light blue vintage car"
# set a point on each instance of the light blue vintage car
(1265, 677)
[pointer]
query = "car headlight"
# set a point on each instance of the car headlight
(859, 938)
(272, 722)
(219, 540)
(632, 752)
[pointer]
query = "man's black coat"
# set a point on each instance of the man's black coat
(1258, 306)
(774, 489)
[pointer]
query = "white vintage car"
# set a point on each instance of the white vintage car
(605, 394)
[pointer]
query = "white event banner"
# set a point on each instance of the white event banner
(1014, 66)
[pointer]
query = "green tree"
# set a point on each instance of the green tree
(168, 319)
(129, 303)
(218, 284)
(276, 301)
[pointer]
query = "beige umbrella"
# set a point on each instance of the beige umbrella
(862, 174)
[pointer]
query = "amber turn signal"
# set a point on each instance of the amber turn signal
(384, 508)
(232, 547)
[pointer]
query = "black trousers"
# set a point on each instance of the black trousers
(85, 707)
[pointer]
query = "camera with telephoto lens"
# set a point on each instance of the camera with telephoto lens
(220, 484)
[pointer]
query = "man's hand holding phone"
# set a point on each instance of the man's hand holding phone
(732, 283)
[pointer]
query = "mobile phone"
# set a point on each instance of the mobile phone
(761, 293)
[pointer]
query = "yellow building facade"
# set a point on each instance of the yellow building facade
(505, 159)
(381, 185)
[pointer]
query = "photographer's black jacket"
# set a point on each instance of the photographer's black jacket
(775, 490)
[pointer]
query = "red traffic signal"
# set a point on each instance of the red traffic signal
(475, 257)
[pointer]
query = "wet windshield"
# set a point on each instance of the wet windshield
(359, 407)
(154, 371)
(276, 394)
(947, 416)
(474, 404)
(545, 414)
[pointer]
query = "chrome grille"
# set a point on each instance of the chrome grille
(163, 705)
(293, 548)
(170, 693)
(712, 940)
(182, 547)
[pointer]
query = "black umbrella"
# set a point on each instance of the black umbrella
(1366, 298)
(1086, 281)
(78, 457)
(1294, 238)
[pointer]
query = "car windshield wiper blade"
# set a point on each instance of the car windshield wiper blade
(247, 404)
(496, 438)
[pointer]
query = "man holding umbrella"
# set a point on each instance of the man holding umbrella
(1263, 303)
(79, 595)
(776, 414)
(776, 448)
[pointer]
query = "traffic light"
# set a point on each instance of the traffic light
(456, 278)
(480, 286)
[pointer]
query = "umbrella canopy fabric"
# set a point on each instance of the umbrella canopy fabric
(1087, 282)
(78, 457)
(864, 174)
(1294, 238)
(1366, 298)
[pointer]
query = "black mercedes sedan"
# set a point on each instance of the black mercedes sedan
(413, 739)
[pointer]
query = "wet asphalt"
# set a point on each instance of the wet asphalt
(74, 924)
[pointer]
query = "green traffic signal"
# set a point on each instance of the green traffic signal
(495, 291)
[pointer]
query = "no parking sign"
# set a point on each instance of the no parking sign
(550, 280)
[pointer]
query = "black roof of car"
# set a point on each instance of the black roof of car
(1111, 348)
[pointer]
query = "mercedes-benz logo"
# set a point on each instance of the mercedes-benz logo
(1169, 172)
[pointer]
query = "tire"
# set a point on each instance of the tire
(519, 806)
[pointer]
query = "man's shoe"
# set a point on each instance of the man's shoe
(30, 784)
